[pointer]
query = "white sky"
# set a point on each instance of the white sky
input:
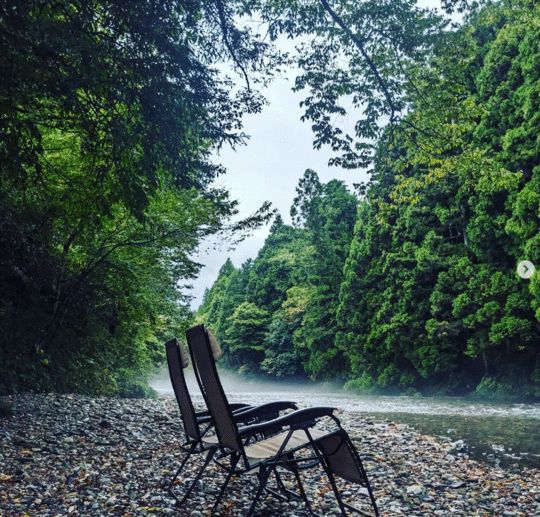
(268, 169)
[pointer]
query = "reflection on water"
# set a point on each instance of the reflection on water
(506, 441)
(499, 434)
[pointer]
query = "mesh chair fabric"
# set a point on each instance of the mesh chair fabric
(341, 457)
(178, 381)
(269, 447)
(213, 391)
(184, 355)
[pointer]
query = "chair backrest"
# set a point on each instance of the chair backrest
(214, 395)
(217, 353)
(178, 359)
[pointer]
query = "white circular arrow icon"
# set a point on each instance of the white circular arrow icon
(525, 269)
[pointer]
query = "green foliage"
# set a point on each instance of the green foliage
(133, 386)
(439, 223)
(245, 336)
(414, 288)
(355, 57)
(277, 314)
(505, 389)
(109, 114)
(362, 384)
(282, 357)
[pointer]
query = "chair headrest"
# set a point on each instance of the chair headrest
(214, 345)
(184, 356)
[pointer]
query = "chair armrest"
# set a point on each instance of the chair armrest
(238, 406)
(204, 416)
(265, 410)
(302, 416)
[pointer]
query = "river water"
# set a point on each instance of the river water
(498, 434)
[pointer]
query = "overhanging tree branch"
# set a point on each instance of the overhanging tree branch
(225, 29)
(339, 21)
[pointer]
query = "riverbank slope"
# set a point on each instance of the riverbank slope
(72, 455)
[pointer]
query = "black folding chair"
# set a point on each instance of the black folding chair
(292, 441)
(198, 426)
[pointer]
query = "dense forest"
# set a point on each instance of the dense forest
(110, 115)
(410, 283)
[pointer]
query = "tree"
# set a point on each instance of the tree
(444, 214)
(292, 281)
(109, 113)
(355, 57)
(328, 213)
(210, 309)
(281, 357)
(245, 337)
(278, 265)
(304, 208)
(429, 298)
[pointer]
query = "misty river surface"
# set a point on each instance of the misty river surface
(498, 434)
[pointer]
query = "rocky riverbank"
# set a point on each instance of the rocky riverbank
(70, 455)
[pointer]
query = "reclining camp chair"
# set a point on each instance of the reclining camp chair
(198, 426)
(297, 445)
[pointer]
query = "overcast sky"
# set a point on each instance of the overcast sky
(268, 168)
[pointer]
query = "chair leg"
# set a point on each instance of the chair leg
(182, 465)
(209, 457)
(334, 488)
(234, 461)
(368, 486)
(264, 475)
(291, 465)
(263, 478)
(184, 461)
(284, 493)
(302, 491)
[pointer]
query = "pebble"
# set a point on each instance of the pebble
(74, 455)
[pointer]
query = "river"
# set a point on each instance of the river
(498, 434)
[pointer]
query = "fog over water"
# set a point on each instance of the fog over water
(309, 394)
(500, 434)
